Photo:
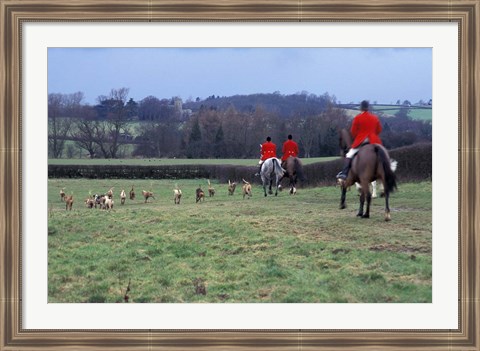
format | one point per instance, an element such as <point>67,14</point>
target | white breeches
<point>351,153</point>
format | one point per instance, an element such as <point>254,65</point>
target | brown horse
<point>372,162</point>
<point>294,171</point>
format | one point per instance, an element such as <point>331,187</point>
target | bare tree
<point>308,128</point>
<point>58,126</point>
<point>116,122</point>
<point>86,131</point>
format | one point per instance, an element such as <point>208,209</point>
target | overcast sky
<point>384,75</point>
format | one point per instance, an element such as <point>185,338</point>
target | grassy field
<point>228,249</point>
<point>416,113</point>
<point>172,161</point>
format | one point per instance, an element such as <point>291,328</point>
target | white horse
<point>271,171</point>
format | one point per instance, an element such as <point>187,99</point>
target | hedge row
<point>220,172</point>
<point>414,163</point>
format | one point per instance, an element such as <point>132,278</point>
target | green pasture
<point>416,113</point>
<point>228,249</point>
<point>171,161</point>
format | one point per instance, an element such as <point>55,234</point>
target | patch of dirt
<point>153,220</point>
<point>200,288</point>
<point>337,251</point>
<point>402,248</point>
<point>264,293</point>
<point>223,297</point>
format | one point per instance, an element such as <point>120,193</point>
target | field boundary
<point>414,164</point>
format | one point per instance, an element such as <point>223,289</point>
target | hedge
<point>414,164</point>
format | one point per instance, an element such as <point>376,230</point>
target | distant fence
<point>414,163</point>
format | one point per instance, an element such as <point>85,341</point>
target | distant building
<point>178,105</point>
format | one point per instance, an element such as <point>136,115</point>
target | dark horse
<point>271,171</point>
<point>294,171</point>
<point>371,162</point>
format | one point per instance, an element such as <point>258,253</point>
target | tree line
<point>117,126</point>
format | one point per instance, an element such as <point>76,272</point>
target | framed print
<point>30,30</point>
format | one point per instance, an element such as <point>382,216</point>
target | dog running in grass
<point>147,194</point>
<point>62,194</point>
<point>100,200</point>
<point>211,190</point>
<point>200,195</point>
<point>132,194</point>
<point>246,189</point>
<point>231,187</point>
<point>123,197</point>
<point>68,202</point>
<point>177,195</point>
<point>110,193</point>
<point>108,203</point>
<point>90,202</point>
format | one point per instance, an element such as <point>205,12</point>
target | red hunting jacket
<point>268,150</point>
<point>290,148</point>
<point>366,125</point>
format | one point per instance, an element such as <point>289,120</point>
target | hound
<point>177,194</point>
<point>123,196</point>
<point>211,190</point>
<point>68,202</point>
<point>90,202</point>
<point>200,195</point>
<point>147,194</point>
<point>100,200</point>
<point>108,203</point>
<point>231,187</point>
<point>246,189</point>
<point>132,194</point>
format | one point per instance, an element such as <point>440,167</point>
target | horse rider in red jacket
<point>365,130</point>
<point>267,150</point>
<point>290,148</point>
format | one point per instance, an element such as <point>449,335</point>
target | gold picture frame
<point>14,13</point>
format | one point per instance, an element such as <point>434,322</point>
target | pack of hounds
<point>106,201</point>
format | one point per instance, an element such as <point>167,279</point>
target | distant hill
<point>285,106</point>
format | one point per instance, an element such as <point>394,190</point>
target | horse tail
<point>390,178</point>
<point>277,167</point>
<point>299,170</point>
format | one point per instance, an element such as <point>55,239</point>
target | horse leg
<point>368,195</point>
<point>374,189</point>
<point>387,207</point>
<point>362,202</point>
<point>343,197</point>
<point>270,187</point>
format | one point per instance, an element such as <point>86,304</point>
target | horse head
<point>345,141</point>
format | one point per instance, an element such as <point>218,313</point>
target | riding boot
<point>259,169</point>
<point>344,173</point>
